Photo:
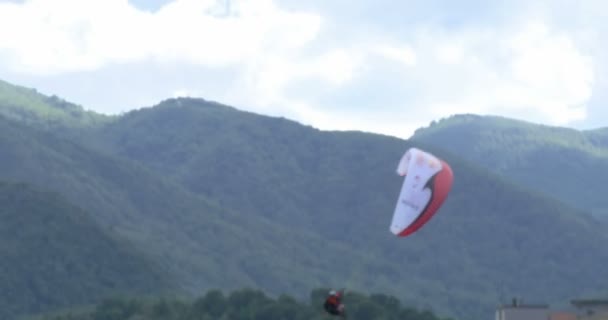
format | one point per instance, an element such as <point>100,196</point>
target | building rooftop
<point>518,304</point>
<point>524,306</point>
<point>589,302</point>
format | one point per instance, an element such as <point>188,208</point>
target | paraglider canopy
<point>427,182</point>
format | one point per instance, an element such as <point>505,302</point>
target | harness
<point>331,305</point>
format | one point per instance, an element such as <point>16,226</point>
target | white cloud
<point>302,65</point>
<point>73,35</point>
<point>527,71</point>
<point>402,54</point>
<point>182,93</point>
<point>273,72</point>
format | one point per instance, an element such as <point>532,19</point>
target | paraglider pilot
<point>333,304</point>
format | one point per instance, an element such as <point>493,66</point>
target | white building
<point>585,309</point>
<point>519,311</point>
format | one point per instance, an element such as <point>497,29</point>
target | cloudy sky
<point>373,65</point>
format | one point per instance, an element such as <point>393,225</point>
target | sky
<point>387,67</point>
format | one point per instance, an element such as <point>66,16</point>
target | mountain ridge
<point>531,155</point>
<point>321,169</point>
<point>286,206</point>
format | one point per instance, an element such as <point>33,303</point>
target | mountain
<point>29,106</point>
<point>568,164</point>
<point>225,198</point>
<point>492,237</point>
<point>54,255</point>
<point>198,242</point>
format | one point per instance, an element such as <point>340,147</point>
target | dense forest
<point>214,197</point>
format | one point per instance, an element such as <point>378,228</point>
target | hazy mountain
<point>200,243</point>
<point>29,106</point>
<point>568,164</point>
<point>227,198</point>
<point>501,238</point>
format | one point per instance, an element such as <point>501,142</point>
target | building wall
<point>562,316</point>
<point>522,313</point>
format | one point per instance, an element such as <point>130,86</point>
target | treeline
<point>246,304</point>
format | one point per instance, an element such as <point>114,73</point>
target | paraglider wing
<point>427,182</point>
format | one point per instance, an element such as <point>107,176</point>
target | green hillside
<point>491,239</point>
<point>28,106</point>
<point>54,255</point>
<point>568,164</point>
<point>202,244</point>
<point>223,198</point>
